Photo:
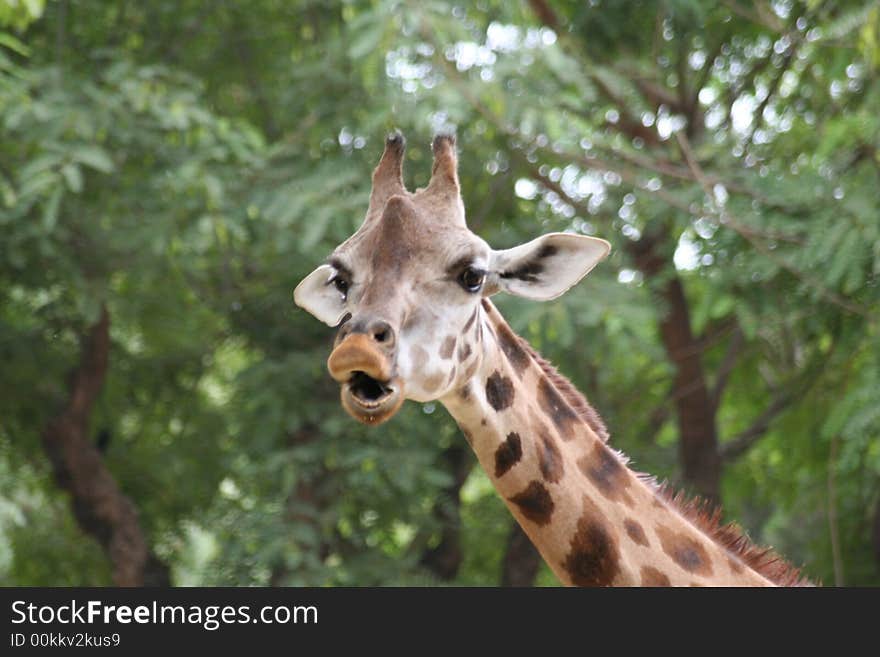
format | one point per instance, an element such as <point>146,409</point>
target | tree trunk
<point>445,558</point>
<point>100,507</point>
<point>521,560</point>
<point>698,439</point>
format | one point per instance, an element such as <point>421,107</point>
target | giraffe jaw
<point>371,401</point>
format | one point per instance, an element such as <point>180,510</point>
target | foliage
<point>187,163</point>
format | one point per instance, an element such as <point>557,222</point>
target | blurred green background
<point>170,169</point>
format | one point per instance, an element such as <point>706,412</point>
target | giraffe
<point>410,291</point>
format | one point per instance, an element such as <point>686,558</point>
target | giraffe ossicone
<point>409,291</point>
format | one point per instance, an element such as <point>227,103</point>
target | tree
<point>170,170</point>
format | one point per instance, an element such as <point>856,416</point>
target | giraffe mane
<point>702,513</point>
<point>706,515</point>
<point>572,395</point>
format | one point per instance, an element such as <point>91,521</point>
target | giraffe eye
<point>471,279</point>
<point>341,284</point>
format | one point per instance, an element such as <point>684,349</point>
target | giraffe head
<point>405,289</point>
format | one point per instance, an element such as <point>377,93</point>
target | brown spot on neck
<point>549,456</point>
<point>593,558</point>
<point>684,550</point>
<point>463,352</point>
<point>499,391</point>
<point>535,503</point>
<point>650,576</point>
<point>563,391</point>
<point>577,402</point>
<point>607,473</point>
<point>508,454</point>
<point>557,409</point>
<point>635,532</point>
<point>513,349</point>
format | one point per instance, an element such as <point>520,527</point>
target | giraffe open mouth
<point>370,392</point>
<point>369,400</point>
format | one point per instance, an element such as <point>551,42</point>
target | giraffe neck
<point>594,521</point>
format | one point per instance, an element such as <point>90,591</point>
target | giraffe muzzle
<point>370,394</point>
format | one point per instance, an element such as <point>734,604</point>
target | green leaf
<point>94,157</point>
<point>7,191</point>
<point>748,320</point>
<point>73,176</point>
<point>50,209</point>
<point>40,164</point>
<point>38,183</point>
<point>14,44</point>
<point>367,41</point>
<point>722,306</point>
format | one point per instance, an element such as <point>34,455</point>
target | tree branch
<point>705,73</point>
<point>100,507</point>
<point>696,123</point>
<point>735,92</point>
<point>743,441</point>
<point>763,16</point>
<point>545,14</point>
<point>774,85</point>
<point>597,163</point>
<point>656,420</point>
<point>681,70</point>
<point>734,348</point>
<point>792,391</point>
<point>626,122</point>
<point>749,235</point>
<point>658,95</point>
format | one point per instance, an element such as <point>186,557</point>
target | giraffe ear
<point>546,267</point>
<point>317,294</point>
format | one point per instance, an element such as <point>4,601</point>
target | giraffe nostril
<point>381,333</point>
